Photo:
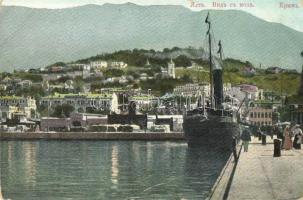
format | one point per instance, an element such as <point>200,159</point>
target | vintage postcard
<point>151,99</point>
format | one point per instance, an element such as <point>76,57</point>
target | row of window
<point>90,102</point>
<point>261,123</point>
<point>5,101</point>
<point>260,115</point>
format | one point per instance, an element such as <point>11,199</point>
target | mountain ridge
<point>36,37</point>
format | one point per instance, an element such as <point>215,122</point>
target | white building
<point>192,90</point>
<point>81,102</point>
<point>117,64</point>
<point>241,91</point>
<point>106,64</point>
<point>177,122</point>
<point>171,69</point>
<point>14,104</point>
<point>99,64</point>
<point>144,101</point>
<point>25,83</point>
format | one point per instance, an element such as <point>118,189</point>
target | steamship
<point>214,123</point>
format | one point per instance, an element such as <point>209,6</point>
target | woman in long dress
<point>287,145</point>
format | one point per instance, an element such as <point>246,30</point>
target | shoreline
<point>148,136</point>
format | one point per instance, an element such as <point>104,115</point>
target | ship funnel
<point>218,82</point>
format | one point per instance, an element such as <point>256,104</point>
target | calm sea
<point>106,170</point>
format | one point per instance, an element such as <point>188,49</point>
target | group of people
<point>291,137</point>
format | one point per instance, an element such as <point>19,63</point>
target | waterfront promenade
<point>261,176</point>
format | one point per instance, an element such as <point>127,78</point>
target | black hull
<point>216,133</point>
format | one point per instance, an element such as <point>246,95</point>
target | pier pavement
<point>261,176</point>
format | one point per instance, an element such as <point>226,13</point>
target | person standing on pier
<point>245,137</point>
<point>298,137</point>
<point>287,145</point>
<point>259,133</point>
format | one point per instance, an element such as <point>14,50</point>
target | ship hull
<point>216,133</point>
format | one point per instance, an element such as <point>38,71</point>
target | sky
<point>287,12</point>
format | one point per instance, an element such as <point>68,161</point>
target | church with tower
<point>169,72</point>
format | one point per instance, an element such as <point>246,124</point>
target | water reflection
<point>29,150</point>
<point>107,170</point>
<point>114,167</point>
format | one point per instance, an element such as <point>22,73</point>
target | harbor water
<point>107,170</point>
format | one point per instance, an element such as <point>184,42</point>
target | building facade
<point>296,113</point>
<point>242,91</point>
<point>192,90</point>
<point>260,116</point>
<point>14,104</point>
<point>144,102</point>
<point>82,102</point>
<point>100,64</point>
<point>76,120</point>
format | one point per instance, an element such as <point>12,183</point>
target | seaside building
<point>192,90</point>
<point>75,121</point>
<point>84,101</point>
<point>174,122</point>
<point>14,104</point>
<point>259,116</point>
<point>144,101</point>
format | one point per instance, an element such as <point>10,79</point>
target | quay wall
<point>221,188</point>
<point>91,136</point>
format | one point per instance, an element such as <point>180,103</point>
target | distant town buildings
<point>25,84</point>
<point>249,71</point>
<point>82,102</point>
<point>101,64</point>
<point>243,91</point>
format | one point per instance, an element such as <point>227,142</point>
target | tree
<point>182,61</point>
<point>63,110</point>
<point>67,109</point>
<point>113,73</point>
<point>166,50</point>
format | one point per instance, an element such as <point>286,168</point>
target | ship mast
<point>207,21</point>
<point>220,50</point>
